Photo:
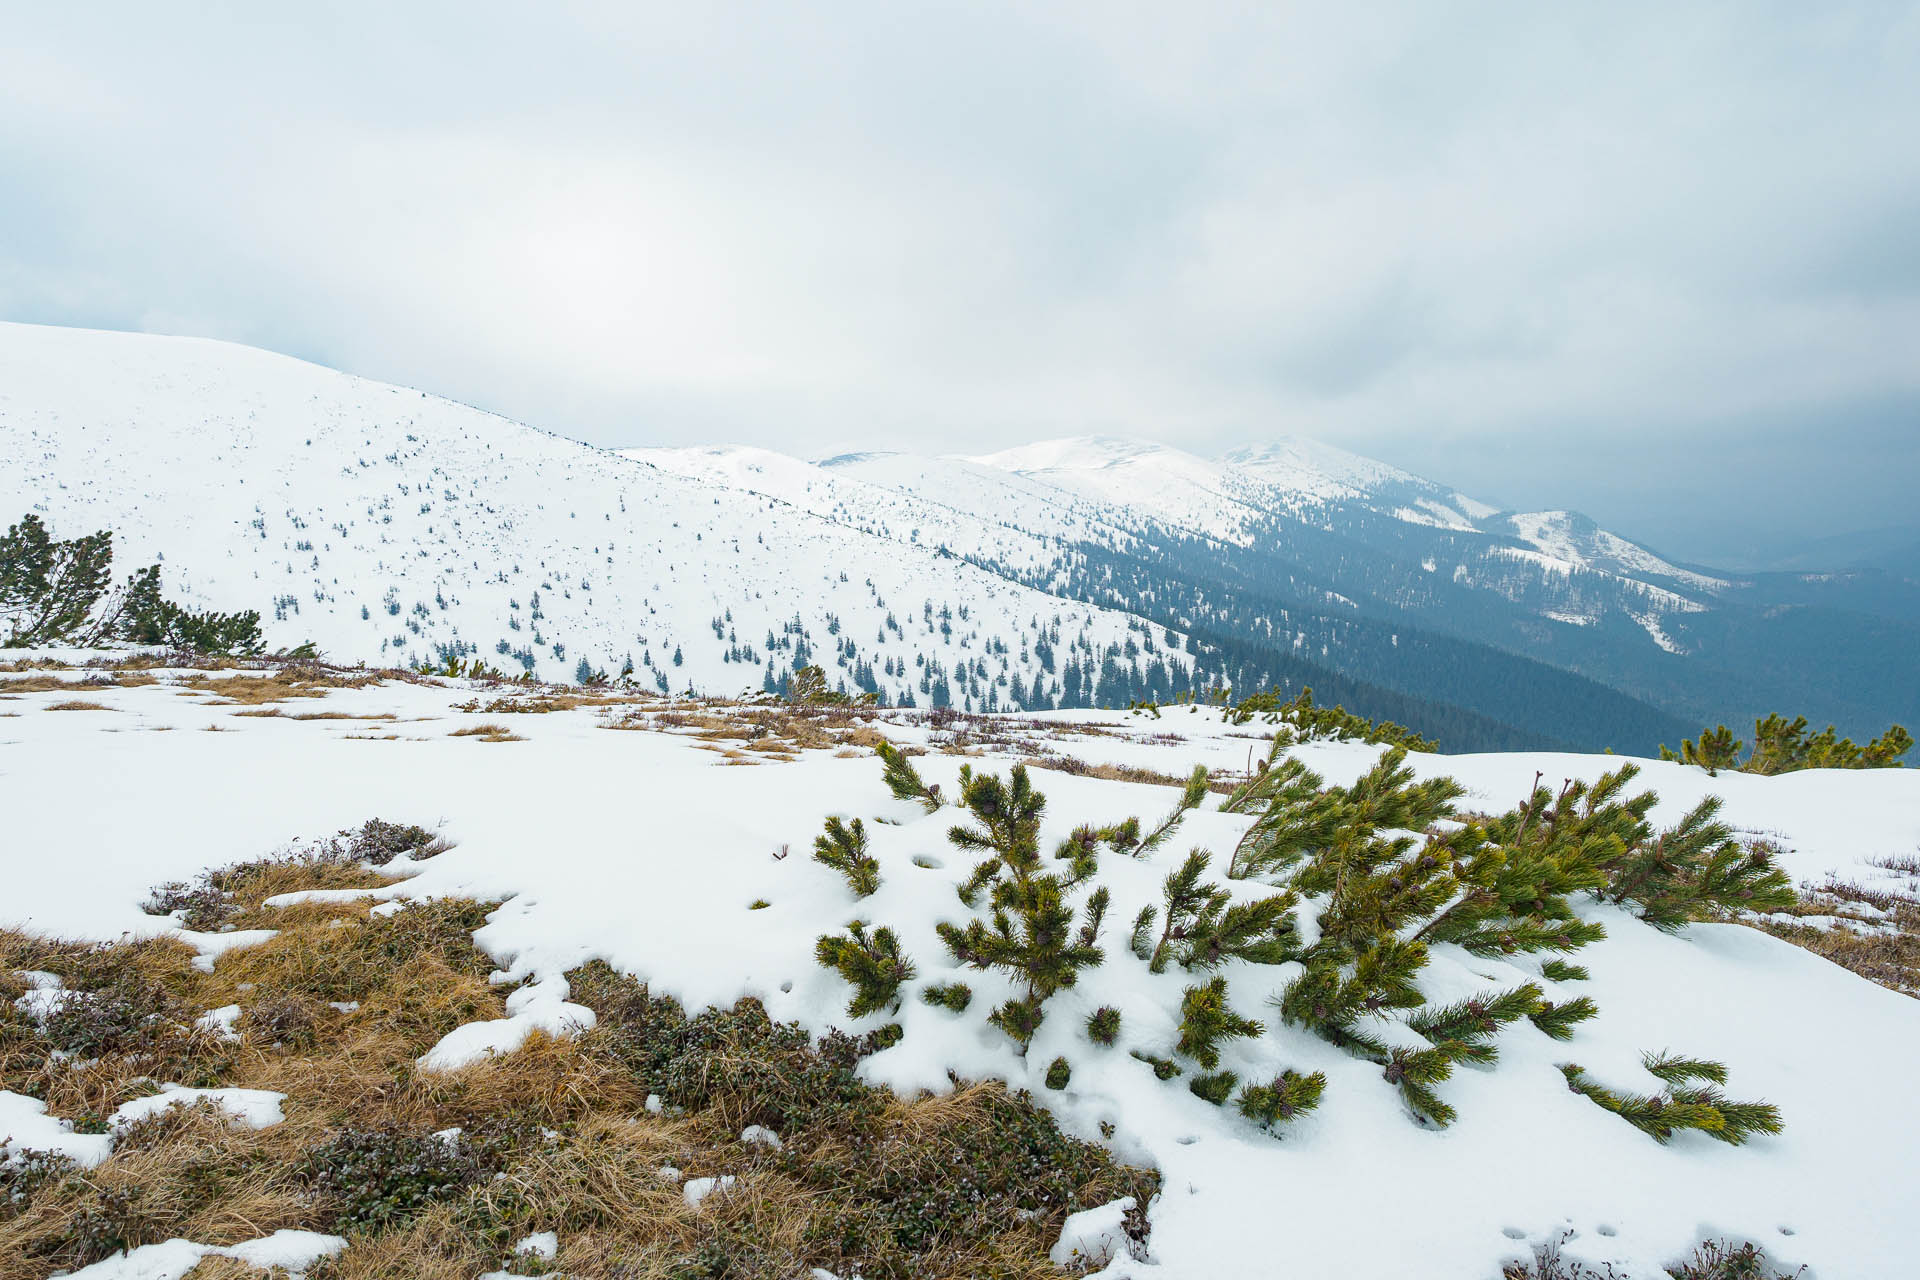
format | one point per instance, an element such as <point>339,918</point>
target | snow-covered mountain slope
<point>1311,469</point>
<point>392,526</point>
<point>1165,486</point>
<point>1356,1189</point>
<point>1571,537</point>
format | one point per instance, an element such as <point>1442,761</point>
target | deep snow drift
<point>645,849</point>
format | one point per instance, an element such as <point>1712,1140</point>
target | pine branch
<point>845,850</point>
<point>904,780</point>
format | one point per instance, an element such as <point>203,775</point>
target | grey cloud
<point>1470,239</point>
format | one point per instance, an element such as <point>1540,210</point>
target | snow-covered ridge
<point>392,526</point>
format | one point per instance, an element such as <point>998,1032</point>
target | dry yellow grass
<point>275,713</point>
<point>280,684</point>
<point>576,1151</point>
<point>487,733</point>
<point>36,684</point>
<point>1881,943</point>
<point>77,704</point>
<point>228,1269</point>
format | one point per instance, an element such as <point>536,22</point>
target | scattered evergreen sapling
<point>873,964</point>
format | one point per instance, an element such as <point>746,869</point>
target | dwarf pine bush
<point>1782,746</point>
<point>1387,871</point>
<point>1028,929</point>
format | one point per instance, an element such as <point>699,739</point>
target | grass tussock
<point>554,1136</point>
<point>548,701</point>
<point>77,704</point>
<point>749,733</point>
<point>277,685</point>
<point>489,732</point>
<point>1114,772</point>
<point>36,684</point>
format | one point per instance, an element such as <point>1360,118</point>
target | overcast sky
<point>1658,262</point>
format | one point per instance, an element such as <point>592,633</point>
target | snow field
<point>642,849</point>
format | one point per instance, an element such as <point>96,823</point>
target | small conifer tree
<point>1206,1019</point>
<point>1028,931</point>
<point>873,964</point>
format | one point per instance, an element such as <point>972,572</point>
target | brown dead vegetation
<point>487,733</point>
<point>556,1135</point>
<point>1874,930</point>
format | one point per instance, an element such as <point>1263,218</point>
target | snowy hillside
<point>1357,1188</point>
<point>393,527</point>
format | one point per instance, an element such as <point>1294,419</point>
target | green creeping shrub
<point>379,842</point>
<point>1103,1025</point>
<point>808,687</point>
<point>908,1201</point>
<point>127,1018</point>
<point>26,1172</point>
<point>844,849</point>
<point>904,780</point>
<point>900,1202</point>
<point>1287,1095</point>
<point>1690,1099</point>
<point>736,1061</point>
<point>1206,1020</point>
<point>1028,931</point>
<point>1215,1087</point>
<point>49,589</point>
<point>210,901</point>
<point>1389,873</point>
<point>873,964</point>
<point>1059,1073</point>
<point>372,1179</point>
<point>1301,721</point>
<point>948,995</point>
<point>1782,746</point>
